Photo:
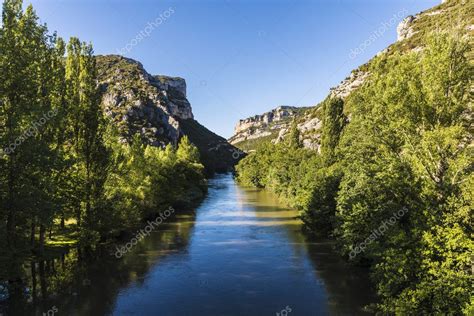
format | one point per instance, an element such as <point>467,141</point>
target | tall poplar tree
<point>333,123</point>
<point>25,65</point>
<point>85,132</point>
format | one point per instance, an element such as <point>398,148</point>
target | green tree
<point>187,151</point>
<point>407,147</point>
<point>85,136</point>
<point>294,135</point>
<point>407,150</point>
<point>333,124</point>
<point>61,158</point>
<point>25,56</point>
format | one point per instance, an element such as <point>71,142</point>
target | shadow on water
<point>348,288</point>
<point>240,253</point>
<point>71,285</point>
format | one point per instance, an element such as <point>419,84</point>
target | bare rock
<point>263,125</point>
<point>355,80</point>
<point>404,28</point>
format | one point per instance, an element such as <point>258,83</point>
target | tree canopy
<point>394,185</point>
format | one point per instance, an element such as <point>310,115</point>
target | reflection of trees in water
<point>30,284</point>
<point>268,208</point>
<point>347,286</point>
<point>79,285</point>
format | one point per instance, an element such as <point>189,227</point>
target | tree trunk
<point>42,238</point>
<point>32,233</point>
<point>33,280</point>
<point>43,284</point>
<point>10,228</point>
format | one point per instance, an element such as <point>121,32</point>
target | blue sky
<point>239,57</point>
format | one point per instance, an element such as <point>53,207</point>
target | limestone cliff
<point>263,125</point>
<point>156,108</point>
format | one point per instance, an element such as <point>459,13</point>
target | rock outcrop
<point>355,80</point>
<point>175,90</point>
<point>274,125</point>
<point>310,132</point>
<point>308,127</point>
<point>405,29</point>
<point>265,125</point>
<point>156,108</point>
<point>278,114</point>
<point>141,103</point>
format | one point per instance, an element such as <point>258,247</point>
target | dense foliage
<point>62,161</point>
<point>393,183</point>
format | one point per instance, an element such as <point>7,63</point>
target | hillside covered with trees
<point>67,175</point>
<point>93,148</point>
<point>393,184</point>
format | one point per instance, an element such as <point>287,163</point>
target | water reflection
<point>77,286</point>
<point>240,253</point>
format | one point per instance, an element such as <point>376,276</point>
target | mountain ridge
<point>156,107</point>
<point>409,34</point>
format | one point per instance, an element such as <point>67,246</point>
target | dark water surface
<point>240,253</point>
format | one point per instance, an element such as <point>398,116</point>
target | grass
<point>61,238</point>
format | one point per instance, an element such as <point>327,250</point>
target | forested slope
<point>69,176</point>
<point>393,182</point>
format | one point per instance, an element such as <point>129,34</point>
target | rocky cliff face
<point>175,90</point>
<point>263,125</point>
<point>141,103</point>
<point>274,125</point>
<point>278,114</point>
<point>156,108</point>
<point>355,80</point>
<point>308,125</point>
<point>404,29</point>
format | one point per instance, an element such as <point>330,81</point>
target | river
<point>240,253</point>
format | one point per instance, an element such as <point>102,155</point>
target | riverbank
<point>240,252</point>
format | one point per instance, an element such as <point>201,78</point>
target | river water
<point>240,253</point>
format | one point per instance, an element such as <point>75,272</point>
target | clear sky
<point>239,57</point>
